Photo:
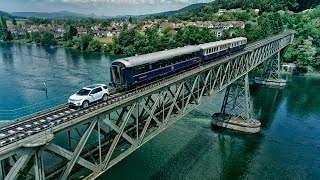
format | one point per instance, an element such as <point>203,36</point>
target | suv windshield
<point>83,92</point>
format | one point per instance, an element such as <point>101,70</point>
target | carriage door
<point>116,74</point>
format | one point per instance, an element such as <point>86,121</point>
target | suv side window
<point>96,90</point>
<point>105,87</point>
<point>93,91</point>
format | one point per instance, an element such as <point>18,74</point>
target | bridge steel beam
<point>111,132</point>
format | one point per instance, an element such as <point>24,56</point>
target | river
<point>287,147</point>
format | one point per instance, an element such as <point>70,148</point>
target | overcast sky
<point>98,7</point>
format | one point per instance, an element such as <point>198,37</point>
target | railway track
<point>47,120</point>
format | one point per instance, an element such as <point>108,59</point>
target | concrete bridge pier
<point>271,73</point>
<point>236,109</point>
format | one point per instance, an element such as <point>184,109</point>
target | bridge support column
<point>38,164</point>
<point>236,109</point>
<point>271,73</point>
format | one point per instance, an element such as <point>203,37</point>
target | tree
<point>105,24</point>
<point>130,19</point>
<point>306,57</point>
<point>36,37</point>
<point>27,36</point>
<point>225,17</point>
<point>47,38</point>
<point>94,46</point>
<point>84,41</point>
<point>14,22</point>
<point>4,29</point>
<point>127,38</point>
<point>129,51</point>
<point>73,31</point>
<point>9,36</point>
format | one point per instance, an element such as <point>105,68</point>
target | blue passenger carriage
<point>212,50</point>
<point>127,72</point>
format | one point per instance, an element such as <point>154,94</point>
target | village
<point>104,33</point>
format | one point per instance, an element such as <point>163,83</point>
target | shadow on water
<point>7,54</point>
<point>73,56</point>
<point>236,150</point>
<point>181,163</point>
<point>264,107</point>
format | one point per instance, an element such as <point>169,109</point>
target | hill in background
<point>71,15</point>
<point>61,14</point>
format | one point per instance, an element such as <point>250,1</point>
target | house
<point>230,24</point>
<point>21,32</point>
<point>58,31</point>
<point>188,24</point>
<point>12,28</point>
<point>289,67</point>
<point>30,28</point>
<point>199,23</point>
<point>103,33</point>
<point>112,28</point>
<point>205,24</point>
<point>218,32</point>
<point>178,26</point>
<point>81,30</point>
<point>96,27</point>
<point>238,24</point>
<point>221,12</point>
<point>146,26</point>
<point>257,10</point>
<point>166,25</point>
<point>132,26</point>
<point>223,25</point>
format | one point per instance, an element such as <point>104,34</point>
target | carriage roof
<point>220,43</point>
<point>156,56</point>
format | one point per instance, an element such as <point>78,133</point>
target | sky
<point>97,7</point>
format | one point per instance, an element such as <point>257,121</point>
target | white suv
<point>88,95</point>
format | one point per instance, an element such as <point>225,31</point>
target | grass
<point>104,40</point>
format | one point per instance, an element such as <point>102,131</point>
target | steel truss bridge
<point>62,143</point>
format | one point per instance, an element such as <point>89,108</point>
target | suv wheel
<point>85,104</point>
<point>104,97</point>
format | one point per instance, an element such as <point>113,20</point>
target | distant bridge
<point>58,143</point>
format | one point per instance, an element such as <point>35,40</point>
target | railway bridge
<point>64,143</point>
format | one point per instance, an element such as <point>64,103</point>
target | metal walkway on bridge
<point>96,138</point>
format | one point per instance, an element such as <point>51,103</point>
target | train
<point>133,71</point>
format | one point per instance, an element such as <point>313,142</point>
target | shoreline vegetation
<point>218,20</point>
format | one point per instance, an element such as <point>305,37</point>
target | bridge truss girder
<point>236,100</point>
<point>271,69</point>
<point>103,138</point>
